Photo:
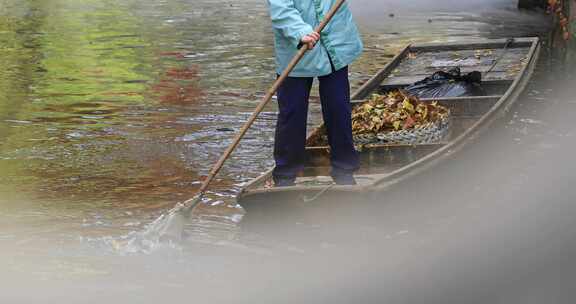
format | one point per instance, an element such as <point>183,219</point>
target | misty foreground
<point>84,149</point>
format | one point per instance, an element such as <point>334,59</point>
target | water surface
<point>112,111</point>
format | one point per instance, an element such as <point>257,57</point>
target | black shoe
<point>284,182</point>
<point>344,179</point>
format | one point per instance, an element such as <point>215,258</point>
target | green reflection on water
<point>71,70</point>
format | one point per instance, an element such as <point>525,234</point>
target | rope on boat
<point>508,43</point>
<point>326,189</point>
<point>318,195</point>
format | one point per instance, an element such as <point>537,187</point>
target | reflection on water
<point>112,111</point>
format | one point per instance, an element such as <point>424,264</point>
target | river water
<point>111,111</point>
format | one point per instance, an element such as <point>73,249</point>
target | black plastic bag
<point>448,84</point>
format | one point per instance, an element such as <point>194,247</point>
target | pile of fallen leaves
<point>393,112</point>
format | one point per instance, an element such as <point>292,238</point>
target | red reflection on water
<point>176,54</point>
<point>179,86</point>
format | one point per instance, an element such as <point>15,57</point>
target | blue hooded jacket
<point>293,19</point>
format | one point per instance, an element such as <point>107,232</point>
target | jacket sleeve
<point>287,19</point>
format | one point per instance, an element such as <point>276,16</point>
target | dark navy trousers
<point>289,147</point>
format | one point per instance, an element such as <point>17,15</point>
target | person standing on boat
<point>331,52</point>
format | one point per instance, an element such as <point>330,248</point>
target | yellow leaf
<point>406,105</point>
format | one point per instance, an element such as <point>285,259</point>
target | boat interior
<point>418,64</point>
<point>501,62</point>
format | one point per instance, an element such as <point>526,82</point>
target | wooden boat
<point>507,66</point>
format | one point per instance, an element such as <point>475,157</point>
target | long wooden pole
<point>266,100</point>
<point>172,226</point>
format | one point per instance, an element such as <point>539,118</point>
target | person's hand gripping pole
<point>310,40</point>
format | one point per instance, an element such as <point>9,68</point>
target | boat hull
<point>395,163</point>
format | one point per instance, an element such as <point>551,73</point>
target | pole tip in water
<point>172,228</point>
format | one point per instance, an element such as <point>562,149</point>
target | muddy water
<point>111,111</point>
